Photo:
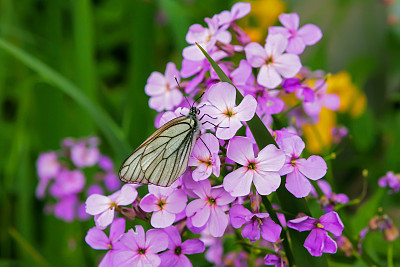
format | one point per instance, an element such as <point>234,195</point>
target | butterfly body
<point>163,157</point>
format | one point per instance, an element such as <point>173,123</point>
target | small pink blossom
<point>262,170</point>
<point>308,34</point>
<point>209,208</point>
<point>103,207</point>
<point>141,249</point>
<point>223,111</point>
<point>163,89</point>
<point>48,166</point>
<point>299,170</point>
<point>83,155</point>
<point>165,203</point>
<point>201,158</point>
<point>67,183</point>
<point>273,62</point>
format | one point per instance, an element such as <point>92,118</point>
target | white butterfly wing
<point>164,156</point>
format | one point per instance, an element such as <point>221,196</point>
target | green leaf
<point>288,202</point>
<point>110,129</point>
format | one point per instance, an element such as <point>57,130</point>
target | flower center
<point>178,251</point>
<point>206,161</point>
<point>293,163</point>
<point>161,203</point>
<point>113,205</point>
<point>318,225</point>
<point>211,201</point>
<point>252,166</point>
<point>269,60</point>
<point>110,245</point>
<point>142,251</point>
<point>229,113</point>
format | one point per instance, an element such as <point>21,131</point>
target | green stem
<point>390,254</point>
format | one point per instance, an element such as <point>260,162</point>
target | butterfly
<point>164,156</point>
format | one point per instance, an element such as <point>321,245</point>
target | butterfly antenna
<point>180,88</point>
<point>206,146</point>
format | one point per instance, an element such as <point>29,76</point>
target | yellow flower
<point>264,13</point>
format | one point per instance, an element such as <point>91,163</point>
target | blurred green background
<point>77,68</point>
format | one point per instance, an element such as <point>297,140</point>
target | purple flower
<point>273,62</point>
<point>262,170</point>
<point>308,34</point>
<point>221,106</point>
<point>48,166</point>
<point>66,208</point>
<point>205,37</point>
<point>322,99</point>
<point>302,90</point>
<point>163,89</point>
<point>175,256</point>
<point>83,155</point>
<point>209,208</point>
<point>318,241</point>
<point>141,249</point>
<point>255,224</point>
<point>67,183</point>
<point>97,239</point>
<point>298,170</point>
<point>111,181</point>
<point>390,180</point>
<point>103,207</point>
<point>330,200</point>
<point>106,163</point>
<point>201,158</point>
<point>165,203</point>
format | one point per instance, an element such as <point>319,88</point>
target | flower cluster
<point>63,179</point>
<point>228,171</point>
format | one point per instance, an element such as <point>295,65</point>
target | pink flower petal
<point>270,231</point>
<point>156,241</point>
<point>305,223</point>
<point>228,128</point>
<point>313,168</point>
<point>170,73</point>
<point>275,44</point>
<point>238,182</point>
<point>162,219</point>
<point>293,146</point>
<point>237,215</point>
<point>330,101</point>
<point>96,204</point>
<point>194,206</point>
<point>269,77</point>
<point>127,196</point>
<point>240,150</point>
<point>267,182</point>
<point>288,65</point>
<point>156,84</point>
<point>176,202</point>
<point>139,236</point>
<point>117,229</point>
<point>310,34</point>
<point>218,222</point>
<point>298,184</point>
<point>296,45</point>
<point>192,246</point>
<point>315,241</point>
<point>97,239</point>
<point>168,259</point>
<point>255,54</point>
<point>242,73</point>
<point>201,216</point>
<point>332,223</point>
<point>290,21</point>
<point>239,10</point>
<point>222,95</point>
<point>330,245</point>
<point>287,167</point>
<point>270,158</point>
<point>104,219</point>
<point>196,32</point>
<point>221,196</point>
<point>149,203</point>
<point>246,109</point>
<point>125,258</point>
<point>279,30</point>
<point>193,53</point>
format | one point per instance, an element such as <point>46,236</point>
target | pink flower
<point>97,239</point>
<point>201,158</point>
<point>298,170</point>
<point>209,208</point>
<point>309,34</point>
<point>256,225</point>
<point>223,112</point>
<point>67,183</point>
<point>48,166</point>
<point>83,155</point>
<point>263,170</point>
<point>318,241</point>
<point>66,208</point>
<point>141,249</point>
<point>205,37</point>
<point>175,256</point>
<point>273,62</point>
<point>165,203</point>
<point>163,89</point>
<point>103,207</point>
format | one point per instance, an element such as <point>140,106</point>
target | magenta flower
<point>298,171</point>
<point>318,241</point>
<point>163,89</point>
<point>255,224</point>
<point>205,37</point>
<point>330,199</point>
<point>106,163</point>
<point>84,154</point>
<point>238,11</point>
<point>390,180</point>
<point>175,256</point>
<point>48,166</point>
<point>302,90</point>
<point>209,208</point>
<point>262,170</point>
<point>67,183</point>
<point>221,106</point>
<point>201,158</point>
<point>141,249</point>
<point>97,239</point>
<point>273,62</point>
<point>66,208</point>
<point>103,207</point>
<point>308,34</point>
<point>165,203</point>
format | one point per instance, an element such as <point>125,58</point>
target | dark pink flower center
<point>178,251</point>
<point>211,201</point>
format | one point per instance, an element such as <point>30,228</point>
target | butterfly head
<point>194,111</point>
